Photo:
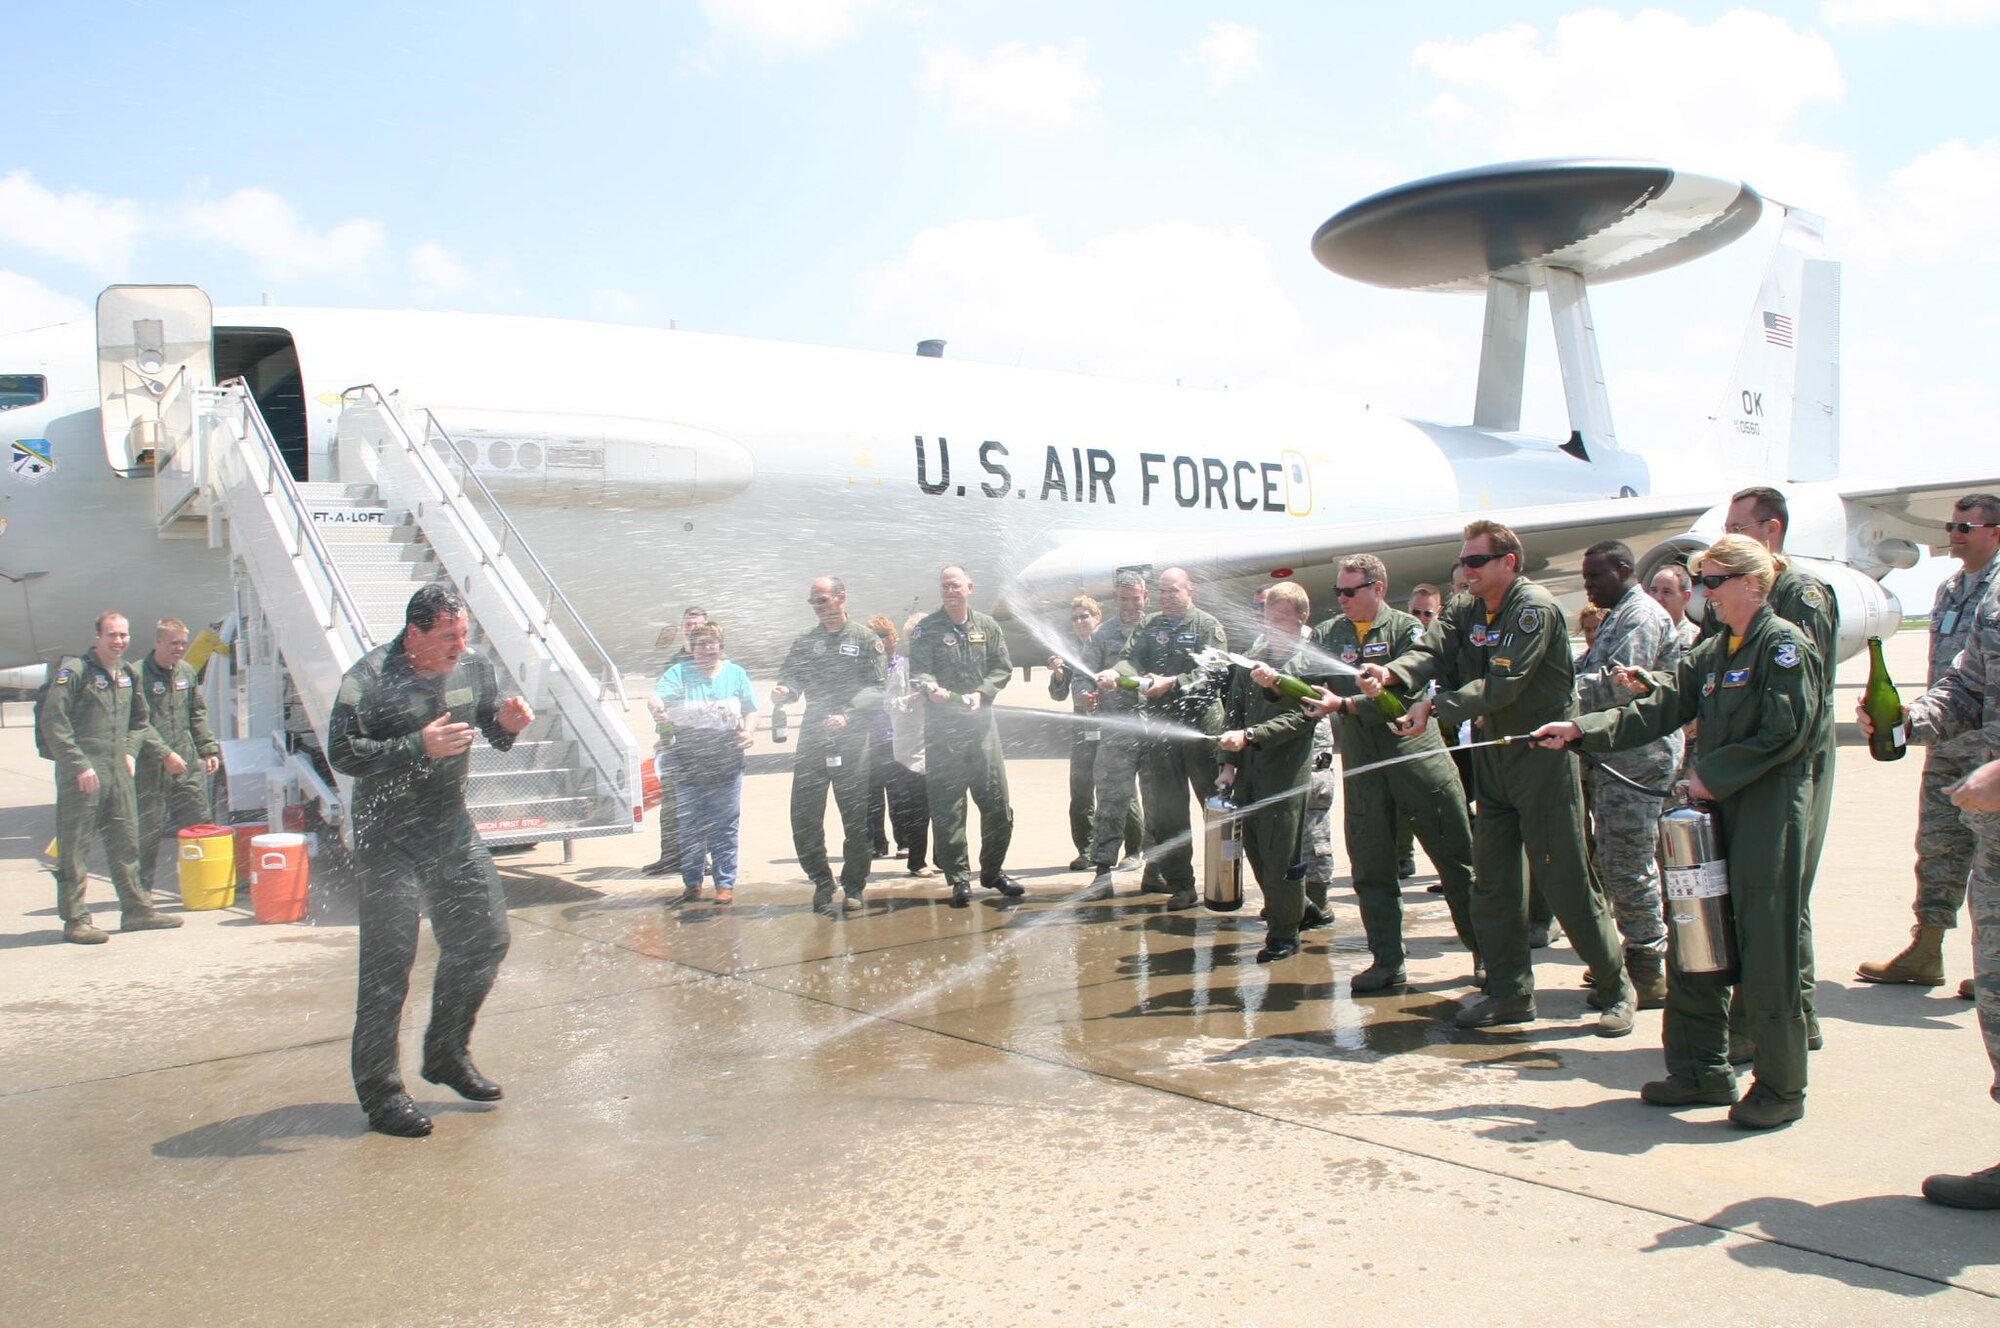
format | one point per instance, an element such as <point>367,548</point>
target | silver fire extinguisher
<point>1222,855</point>
<point>1701,927</point>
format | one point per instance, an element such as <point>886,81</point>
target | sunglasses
<point>817,600</point>
<point>1715,580</point>
<point>1967,527</point>
<point>1477,559</point>
<point>1349,592</point>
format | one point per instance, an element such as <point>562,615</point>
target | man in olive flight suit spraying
<point>839,668</point>
<point>91,724</point>
<point>179,752</point>
<point>1185,699</point>
<point>1424,794</point>
<point>959,663</point>
<point>1501,653</point>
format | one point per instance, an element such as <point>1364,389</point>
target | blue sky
<point>1118,188</point>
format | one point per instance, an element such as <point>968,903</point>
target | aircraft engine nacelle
<point>1867,607</point>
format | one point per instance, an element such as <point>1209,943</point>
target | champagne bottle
<point>1390,704</point>
<point>1884,707</point>
<point>781,728</point>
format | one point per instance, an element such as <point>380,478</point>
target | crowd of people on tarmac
<point>1459,716</point>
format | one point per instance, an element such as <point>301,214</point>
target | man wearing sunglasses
<point>1945,844</point>
<point>839,668</point>
<point>1500,654</point>
<point>1423,793</point>
<point>1964,702</point>
<point>1807,602</point>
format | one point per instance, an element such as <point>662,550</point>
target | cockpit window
<point>22,390</point>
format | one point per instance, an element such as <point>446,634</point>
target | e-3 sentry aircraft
<point>658,468</point>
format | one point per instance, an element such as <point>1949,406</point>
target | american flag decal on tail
<point>1778,329</point>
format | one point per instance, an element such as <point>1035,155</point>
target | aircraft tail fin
<point>1780,417</point>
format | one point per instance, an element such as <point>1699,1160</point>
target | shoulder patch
<point>1812,596</point>
<point>63,675</point>
<point>916,632</point>
<point>1417,633</point>
<point>1786,656</point>
<point>1530,619</point>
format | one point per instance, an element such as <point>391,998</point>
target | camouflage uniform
<point>1966,701</point>
<point>1319,814</point>
<point>1639,633</point>
<point>1945,844</point>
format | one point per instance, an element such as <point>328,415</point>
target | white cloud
<point>264,226</point>
<point>26,303</point>
<point>1722,96</point>
<point>1230,52</point>
<point>1164,301</point>
<point>1928,13</point>
<point>1944,207</point>
<point>1014,87</point>
<point>88,229</point>
<point>433,267</point>
<point>792,26</point>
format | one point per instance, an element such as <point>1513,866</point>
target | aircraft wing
<point>1919,505</point>
<point>1416,548</point>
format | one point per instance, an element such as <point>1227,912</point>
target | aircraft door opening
<point>267,360</point>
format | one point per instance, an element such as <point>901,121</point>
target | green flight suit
<point>1758,706</point>
<point>1276,764</point>
<point>1513,672</point>
<point>841,673</point>
<point>1173,765</point>
<point>961,745</point>
<point>92,719</point>
<point>1806,602</point>
<point>1423,795</point>
<point>179,725</point>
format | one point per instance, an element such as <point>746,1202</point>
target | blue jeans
<point>709,814</point>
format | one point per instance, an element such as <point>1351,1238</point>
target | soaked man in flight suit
<point>92,723</point>
<point>402,727</point>
<point>1183,694</point>
<point>179,752</point>
<point>1422,795</point>
<point>1501,653</point>
<point>840,669</point>
<point>958,660</point>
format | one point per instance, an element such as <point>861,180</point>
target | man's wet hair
<point>430,603</point>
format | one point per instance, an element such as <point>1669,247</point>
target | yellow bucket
<point>208,867</point>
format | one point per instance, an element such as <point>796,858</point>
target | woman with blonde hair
<point>1755,688</point>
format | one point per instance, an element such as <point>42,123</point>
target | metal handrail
<point>276,473</point>
<point>510,533</point>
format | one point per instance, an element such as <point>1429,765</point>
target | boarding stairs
<point>324,570</point>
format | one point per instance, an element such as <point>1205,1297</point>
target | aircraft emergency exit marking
<point>1089,475</point>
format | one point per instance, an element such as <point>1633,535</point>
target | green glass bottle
<point>1390,704</point>
<point>1885,709</point>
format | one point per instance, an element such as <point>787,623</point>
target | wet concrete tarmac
<point>1043,1112</point>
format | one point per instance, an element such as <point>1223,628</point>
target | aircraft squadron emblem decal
<point>1531,619</point>
<point>1787,655</point>
<point>30,459</point>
